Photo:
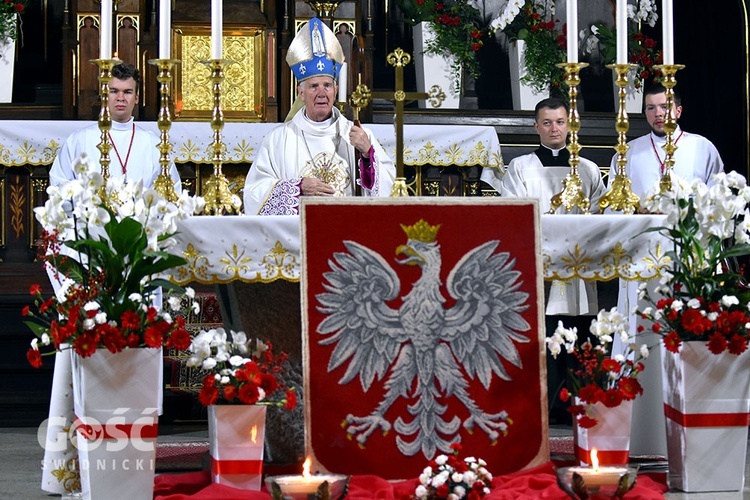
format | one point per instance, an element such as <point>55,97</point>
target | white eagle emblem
<point>425,349</point>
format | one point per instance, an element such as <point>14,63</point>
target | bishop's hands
<point>311,186</point>
<point>359,139</point>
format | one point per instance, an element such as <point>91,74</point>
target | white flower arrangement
<point>451,477</point>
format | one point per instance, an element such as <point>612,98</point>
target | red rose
<point>649,43</point>
<point>34,357</point>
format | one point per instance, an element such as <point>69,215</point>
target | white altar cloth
<point>34,142</point>
<point>261,249</point>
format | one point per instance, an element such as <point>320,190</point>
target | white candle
<point>343,83</point>
<point>603,476</point>
<point>622,32</point>
<point>572,19</point>
<point>667,33</point>
<point>165,29</point>
<point>216,28</point>
<point>105,30</point>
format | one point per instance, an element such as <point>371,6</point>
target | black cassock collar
<point>549,160</point>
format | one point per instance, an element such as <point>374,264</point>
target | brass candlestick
<point>669,81</point>
<point>572,194</point>
<point>105,119</point>
<point>164,184</point>
<point>620,196</point>
<point>219,199</point>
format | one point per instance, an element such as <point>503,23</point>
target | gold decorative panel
<point>242,91</point>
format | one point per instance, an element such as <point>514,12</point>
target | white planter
<point>707,409</point>
<point>633,97</point>
<point>7,62</point>
<point>236,434</point>
<point>117,398</point>
<point>432,69</point>
<point>610,436</point>
<point>524,97</point>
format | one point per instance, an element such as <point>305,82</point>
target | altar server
<point>540,175</point>
<point>133,152</point>
<point>695,158</point>
<point>313,154</point>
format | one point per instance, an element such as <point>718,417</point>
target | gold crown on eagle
<point>421,231</point>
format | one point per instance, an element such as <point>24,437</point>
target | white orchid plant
<point>107,245</point>
<point>704,296</point>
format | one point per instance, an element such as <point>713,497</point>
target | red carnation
<point>248,393</point>
<point>34,358</point>
<point>230,392</point>
<point>209,393</point>
<point>737,344</point>
<point>179,339</point>
<point>586,422</point>
<point>612,398</point>
<point>564,395</point>
<point>291,399</point>
<point>35,289</point>
<point>672,342</point>
<point>717,343</point>
<point>630,388</point>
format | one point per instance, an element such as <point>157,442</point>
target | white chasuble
<point>301,148</point>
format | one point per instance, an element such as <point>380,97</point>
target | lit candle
<point>343,83</point>
<point>667,31</point>
<point>307,484</point>
<point>595,476</point>
<point>572,18</point>
<point>165,28</point>
<point>105,30</point>
<point>622,32</point>
<point>216,28</point>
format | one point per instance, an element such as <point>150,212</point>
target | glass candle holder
<point>603,482</point>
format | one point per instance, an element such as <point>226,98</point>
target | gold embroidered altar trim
<point>33,142</point>
<point>262,249</point>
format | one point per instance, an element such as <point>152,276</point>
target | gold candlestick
<point>105,119</point>
<point>669,81</point>
<point>572,194</point>
<point>219,199</point>
<point>620,196</point>
<point>164,184</point>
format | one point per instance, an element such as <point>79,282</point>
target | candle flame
<point>594,459</point>
<point>254,434</point>
<point>114,56</point>
<point>306,469</point>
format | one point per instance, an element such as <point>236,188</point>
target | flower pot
<point>236,434</point>
<point>610,436</point>
<point>7,62</point>
<point>524,97</point>
<point>432,69</point>
<point>707,414</point>
<point>117,398</point>
<point>633,96</point>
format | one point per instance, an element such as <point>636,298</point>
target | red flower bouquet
<point>599,377</point>
<point>239,370</point>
